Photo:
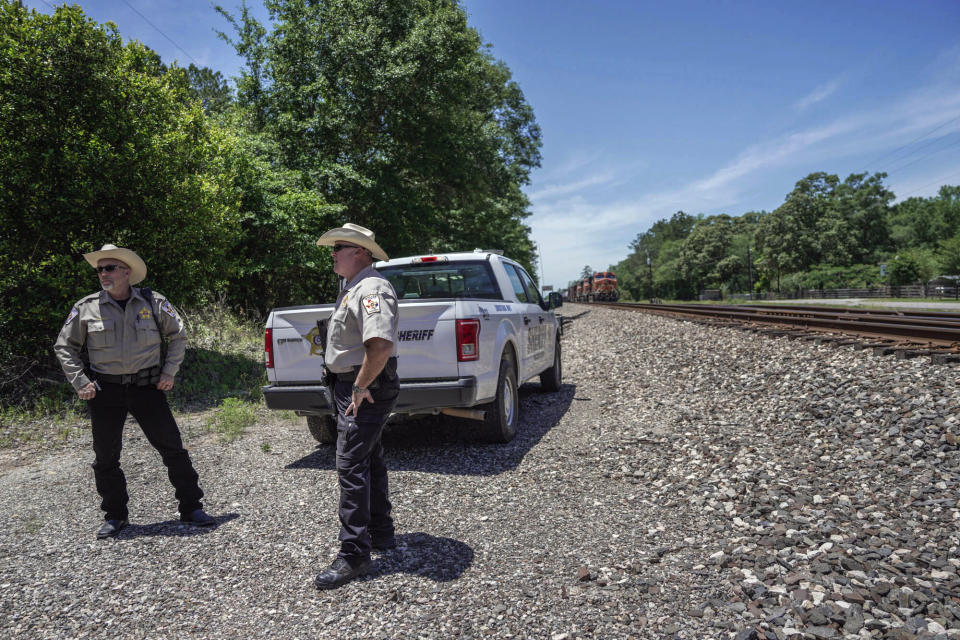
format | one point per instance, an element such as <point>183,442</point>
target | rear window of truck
<point>443,280</point>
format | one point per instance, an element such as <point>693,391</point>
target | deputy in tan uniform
<point>122,327</point>
<point>361,359</point>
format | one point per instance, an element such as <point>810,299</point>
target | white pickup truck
<point>472,328</point>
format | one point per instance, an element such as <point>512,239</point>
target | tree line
<point>827,233</point>
<point>388,113</point>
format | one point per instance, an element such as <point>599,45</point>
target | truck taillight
<point>268,348</point>
<point>468,340</point>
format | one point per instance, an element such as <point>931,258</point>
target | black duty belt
<point>142,378</point>
<point>389,371</point>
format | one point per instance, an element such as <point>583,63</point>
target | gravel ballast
<point>687,481</point>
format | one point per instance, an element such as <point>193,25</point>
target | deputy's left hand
<point>166,382</point>
<point>358,399</point>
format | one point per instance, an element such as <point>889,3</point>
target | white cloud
<point>819,94</point>
<point>554,190</point>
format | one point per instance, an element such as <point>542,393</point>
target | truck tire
<point>323,428</point>
<point>552,378</point>
<point>503,414</point>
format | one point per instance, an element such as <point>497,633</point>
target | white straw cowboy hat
<point>138,269</point>
<point>355,234</point>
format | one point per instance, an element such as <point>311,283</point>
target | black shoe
<point>341,572</point>
<point>111,528</point>
<point>384,544</point>
<point>198,518</point>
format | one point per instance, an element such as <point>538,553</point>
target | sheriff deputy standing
<point>123,328</point>
<point>361,358</point>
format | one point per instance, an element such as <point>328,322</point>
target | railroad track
<point>904,333</point>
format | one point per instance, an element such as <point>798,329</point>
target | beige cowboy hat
<point>355,234</point>
<point>138,269</point>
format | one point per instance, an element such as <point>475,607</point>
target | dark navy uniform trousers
<point>108,412</point>
<point>364,495</point>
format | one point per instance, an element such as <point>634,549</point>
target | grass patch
<point>224,359</point>
<point>232,419</point>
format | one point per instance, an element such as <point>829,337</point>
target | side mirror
<point>556,299</point>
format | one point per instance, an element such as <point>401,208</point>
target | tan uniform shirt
<point>366,308</point>
<point>119,341</point>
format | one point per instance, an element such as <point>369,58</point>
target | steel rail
<point>923,331</point>
<point>948,321</point>
<point>827,308</point>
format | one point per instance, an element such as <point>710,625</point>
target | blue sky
<point>648,108</point>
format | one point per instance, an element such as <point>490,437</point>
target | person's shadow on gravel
<point>172,528</point>
<point>421,554</point>
<point>449,446</point>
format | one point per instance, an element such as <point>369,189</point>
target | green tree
<point>637,271</point>
<point>277,261</point>
<point>948,255</point>
<point>210,88</point>
<point>924,222</point>
<point>854,228</point>
<point>704,259</point>
<point>99,144</point>
<point>396,111</point>
<point>773,239</point>
<point>911,265</point>
<point>804,212</point>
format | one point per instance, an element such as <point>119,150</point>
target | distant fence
<point>951,292</point>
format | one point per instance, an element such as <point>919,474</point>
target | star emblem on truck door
<point>316,343</point>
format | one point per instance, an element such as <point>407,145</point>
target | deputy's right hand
<point>87,392</point>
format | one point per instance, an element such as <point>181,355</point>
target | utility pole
<point>539,265</point>
<point>750,271</point>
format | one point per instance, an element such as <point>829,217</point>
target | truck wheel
<point>323,428</point>
<point>552,378</point>
<point>502,415</point>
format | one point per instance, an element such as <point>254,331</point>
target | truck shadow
<point>438,444</point>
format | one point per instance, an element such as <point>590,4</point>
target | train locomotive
<point>600,287</point>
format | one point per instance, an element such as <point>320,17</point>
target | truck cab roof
<point>460,256</point>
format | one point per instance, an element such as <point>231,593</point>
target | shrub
<point>232,419</point>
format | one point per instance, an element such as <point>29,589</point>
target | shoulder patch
<point>73,314</point>
<point>371,303</point>
<point>167,308</point>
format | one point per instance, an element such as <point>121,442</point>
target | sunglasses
<point>338,247</point>
<point>110,268</point>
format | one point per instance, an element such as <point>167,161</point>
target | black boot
<point>341,572</point>
<point>111,528</point>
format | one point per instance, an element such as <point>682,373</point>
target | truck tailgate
<point>428,340</point>
<point>296,344</point>
<point>426,334</point>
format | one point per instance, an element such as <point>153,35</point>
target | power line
<point>134,9</point>
<point>917,150</point>
<point>898,150</point>
<point>924,157</point>
<point>942,181</point>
